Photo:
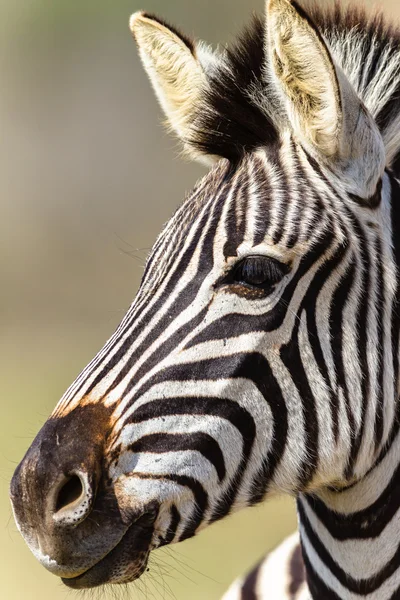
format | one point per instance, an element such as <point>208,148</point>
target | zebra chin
<point>126,562</point>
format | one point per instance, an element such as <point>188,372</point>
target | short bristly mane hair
<point>236,116</point>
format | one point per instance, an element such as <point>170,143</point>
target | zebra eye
<point>259,272</point>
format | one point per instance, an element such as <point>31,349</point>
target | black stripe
<point>264,192</point>
<point>379,306</point>
<point>235,222</point>
<point>159,443</point>
<point>248,591</point>
<point>199,493</point>
<point>297,216</point>
<point>297,572</point>
<point>282,200</point>
<point>291,358</point>
<point>318,589</point>
<point>210,406</point>
<point>357,586</point>
<point>337,327</point>
<point>173,526</point>
<point>364,524</point>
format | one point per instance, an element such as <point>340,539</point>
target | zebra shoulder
<point>279,576</point>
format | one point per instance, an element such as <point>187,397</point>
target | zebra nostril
<point>72,498</point>
<point>69,493</point>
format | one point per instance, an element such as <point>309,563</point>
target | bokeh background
<point>87,178</point>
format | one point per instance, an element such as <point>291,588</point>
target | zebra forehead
<point>269,198</point>
<point>260,178</point>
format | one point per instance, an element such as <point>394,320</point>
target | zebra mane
<point>241,111</point>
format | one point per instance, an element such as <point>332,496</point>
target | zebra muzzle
<point>126,561</point>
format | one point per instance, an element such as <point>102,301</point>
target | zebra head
<point>257,355</point>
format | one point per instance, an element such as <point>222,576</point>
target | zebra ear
<point>172,64</point>
<point>323,109</point>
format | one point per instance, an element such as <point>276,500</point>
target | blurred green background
<point>87,178</point>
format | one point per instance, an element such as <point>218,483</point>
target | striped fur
<point>215,393</point>
<point>281,575</point>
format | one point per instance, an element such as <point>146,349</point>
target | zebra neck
<point>351,538</point>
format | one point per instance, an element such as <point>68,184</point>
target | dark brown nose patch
<point>57,481</point>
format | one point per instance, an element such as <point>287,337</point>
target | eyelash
<point>257,272</point>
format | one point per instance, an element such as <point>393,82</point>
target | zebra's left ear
<point>176,67</point>
<point>323,109</point>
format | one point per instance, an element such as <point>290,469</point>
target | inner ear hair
<point>171,63</point>
<point>155,19</point>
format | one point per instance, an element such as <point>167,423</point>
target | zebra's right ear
<point>322,107</point>
<point>172,63</point>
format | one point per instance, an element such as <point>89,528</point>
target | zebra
<point>261,353</point>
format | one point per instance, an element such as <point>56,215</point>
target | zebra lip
<point>125,562</point>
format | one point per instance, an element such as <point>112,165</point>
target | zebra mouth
<point>125,562</point>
